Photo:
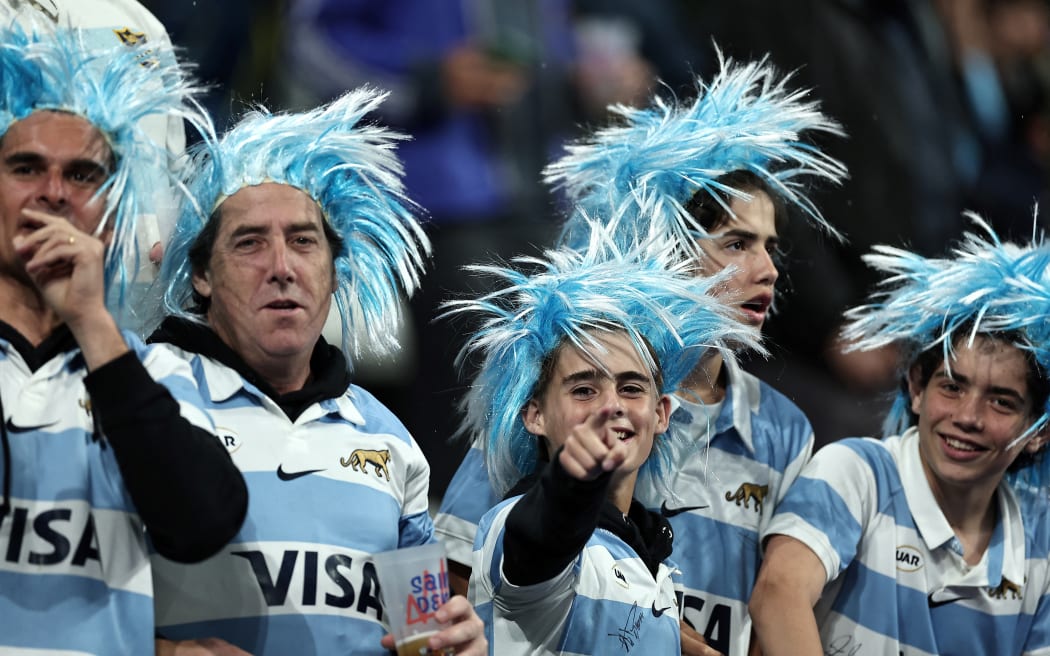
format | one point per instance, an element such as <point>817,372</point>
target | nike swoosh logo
<point>671,512</point>
<point>291,476</point>
<point>659,612</point>
<point>934,603</point>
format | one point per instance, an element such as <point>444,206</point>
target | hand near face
<point>65,264</point>
<point>592,447</point>
<point>465,635</point>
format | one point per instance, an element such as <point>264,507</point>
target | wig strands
<point>986,286</point>
<point>646,167</point>
<point>56,70</point>
<point>575,297</point>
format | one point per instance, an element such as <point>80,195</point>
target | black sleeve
<point>549,526</point>
<point>190,495</point>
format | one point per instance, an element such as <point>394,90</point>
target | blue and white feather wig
<point>350,169</point>
<point>985,286</point>
<point>574,296</point>
<point>114,89</point>
<point>647,165</point>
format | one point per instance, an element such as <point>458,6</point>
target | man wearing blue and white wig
<point>102,436</point>
<point>710,181</point>
<point>299,206</point>
<point>571,405</point>
<point>934,540</point>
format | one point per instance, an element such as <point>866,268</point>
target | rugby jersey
<point>327,489</point>
<point>609,598</point>
<point>896,578</point>
<point>719,496</point>
<point>74,562</point>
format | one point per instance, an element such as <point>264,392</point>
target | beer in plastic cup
<point>413,584</point>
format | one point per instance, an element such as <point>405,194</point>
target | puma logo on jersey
<point>1004,588</point>
<point>620,578</point>
<point>360,459</point>
<point>85,404</point>
<point>129,38</point>
<point>749,492</point>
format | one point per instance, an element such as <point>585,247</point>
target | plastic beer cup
<point>413,584</point>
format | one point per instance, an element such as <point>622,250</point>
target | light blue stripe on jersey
<point>290,634</point>
<point>51,612</point>
<point>816,500</point>
<point>469,494</point>
<point>65,460</point>
<point>415,530</point>
<point>708,573</point>
<point>329,515</point>
<point>603,626</point>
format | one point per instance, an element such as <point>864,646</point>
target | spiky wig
<point>645,167</point>
<point>575,297</point>
<point>349,168</point>
<point>114,89</point>
<point>985,286</point>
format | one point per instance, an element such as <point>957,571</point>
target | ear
<point>1037,441</point>
<point>663,413</point>
<point>915,388</point>
<point>201,284</point>
<point>532,417</point>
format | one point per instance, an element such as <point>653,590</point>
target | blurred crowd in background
<point>945,103</point>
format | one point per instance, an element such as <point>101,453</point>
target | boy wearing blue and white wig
<point>293,209</point>
<point>934,540</point>
<point>572,404</point>
<point>102,436</point>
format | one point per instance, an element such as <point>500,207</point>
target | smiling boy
<point>930,541</point>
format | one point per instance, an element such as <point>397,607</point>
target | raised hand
<point>593,446</point>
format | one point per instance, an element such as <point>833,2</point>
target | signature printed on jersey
<point>843,646</point>
<point>632,629</point>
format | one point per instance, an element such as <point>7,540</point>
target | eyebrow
<point>1001,391</point>
<point>37,159</point>
<point>594,374</point>
<point>740,233</point>
<point>257,229</point>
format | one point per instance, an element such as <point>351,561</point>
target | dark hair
<point>1036,380</point>
<point>200,251</point>
<point>704,206</point>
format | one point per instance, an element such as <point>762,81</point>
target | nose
<point>54,192</point>
<point>766,270</point>
<point>968,413</point>
<point>615,406</point>
<point>281,270</point>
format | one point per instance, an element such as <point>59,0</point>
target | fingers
<point>466,633</point>
<point>693,644</point>
<point>592,448</point>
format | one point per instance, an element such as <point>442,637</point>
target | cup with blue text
<point>413,584</point>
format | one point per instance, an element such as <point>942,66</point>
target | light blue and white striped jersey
<point>605,602</point>
<point>341,482</point>
<point>897,581</point>
<point>74,564</point>
<point>718,500</point>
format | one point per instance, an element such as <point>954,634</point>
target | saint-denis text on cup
<point>413,584</point>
